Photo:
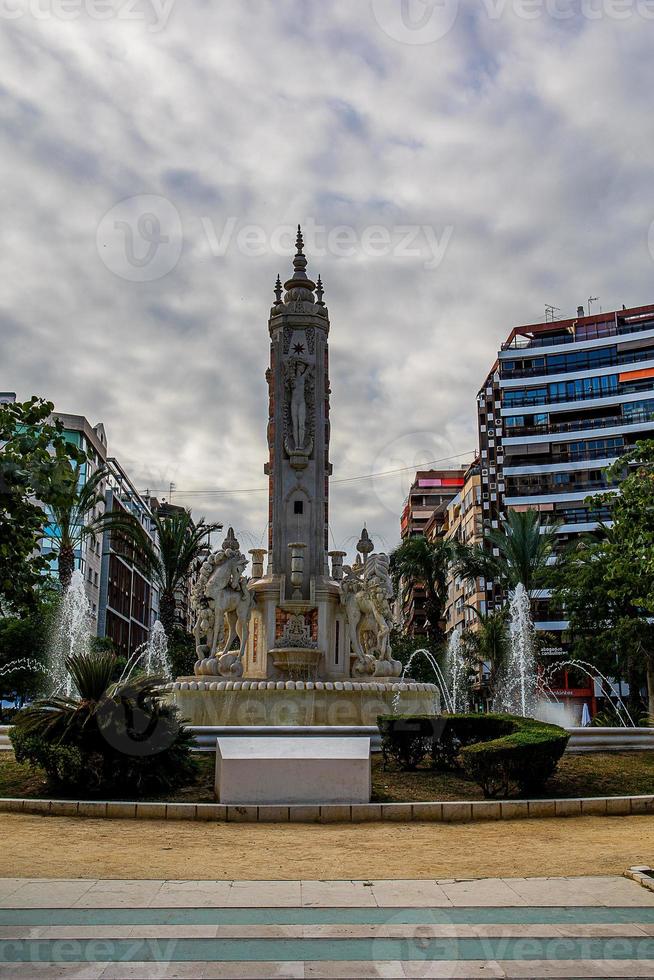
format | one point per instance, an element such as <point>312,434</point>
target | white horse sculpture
<point>365,594</point>
<point>223,589</point>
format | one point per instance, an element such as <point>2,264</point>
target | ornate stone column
<point>297,567</point>
<point>337,564</point>
<point>258,554</point>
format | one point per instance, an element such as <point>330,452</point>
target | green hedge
<point>497,751</point>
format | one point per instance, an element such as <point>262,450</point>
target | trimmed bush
<point>497,751</point>
<point>525,757</point>
<point>407,739</point>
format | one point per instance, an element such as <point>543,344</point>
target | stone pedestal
<point>260,771</point>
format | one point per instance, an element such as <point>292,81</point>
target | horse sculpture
<point>223,598</point>
<point>365,593</point>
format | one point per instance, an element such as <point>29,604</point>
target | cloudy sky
<point>455,167</point>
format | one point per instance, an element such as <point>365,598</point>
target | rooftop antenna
<point>591,300</point>
<point>172,486</point>
<point>552,313</point>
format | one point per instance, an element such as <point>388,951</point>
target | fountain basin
<point>296,660</point>
<point>294,702</point>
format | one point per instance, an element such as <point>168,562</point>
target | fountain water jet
<point>457,674</point>
<point>72,634</point>
<point>516,691</point>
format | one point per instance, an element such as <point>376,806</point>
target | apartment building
<point>129,600</point>
<point>425,507</point>
<point>463,524</point>
<point>562,402</point>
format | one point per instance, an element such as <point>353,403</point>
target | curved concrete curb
<point>450,812</point>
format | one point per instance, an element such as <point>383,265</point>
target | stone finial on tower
<point>320,292</point>
<point>231,541</point>
<point>278,291</point>
<point>299,287</point>
<point>365,545</point>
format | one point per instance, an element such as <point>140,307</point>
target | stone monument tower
<point>298,467</point>
<point>297,641</point>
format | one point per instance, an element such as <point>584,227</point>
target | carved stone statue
<point>366,592</point>
<point>221,598</point>
<point>299,411</point>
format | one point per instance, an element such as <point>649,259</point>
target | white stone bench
<point>290,770</point>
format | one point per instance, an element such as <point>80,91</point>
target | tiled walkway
<point>512,927</point>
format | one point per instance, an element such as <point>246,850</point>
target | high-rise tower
<point>298,467</point>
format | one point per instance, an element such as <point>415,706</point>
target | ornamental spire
<point>299,286</point>
<point>278,291</point>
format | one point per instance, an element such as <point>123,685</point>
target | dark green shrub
<point>116,739</point>
<point>497,751</point>
<point>501,751</point>
<point>407,739</point>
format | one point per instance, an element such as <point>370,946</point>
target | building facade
<point>425,514</point>
<point>129,601</point>
<point>562,402</point>
<point>463,524</point>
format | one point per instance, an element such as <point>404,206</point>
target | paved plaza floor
<point>494,927</point>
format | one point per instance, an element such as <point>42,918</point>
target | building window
<point>298,507</point>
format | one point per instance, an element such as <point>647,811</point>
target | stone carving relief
<point>299,407</point>
<point>222,604</point>
<point>366,592</point>
<point>297,633</point>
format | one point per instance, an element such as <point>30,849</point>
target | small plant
<point>115,738</point>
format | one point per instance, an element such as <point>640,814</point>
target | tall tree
<point>524,546</point>
<point>607,587</point>
<point>488,643</point>
<point>417,563</point>
<point>35,460</point>
<point>75,515</point>
<point>180,542</point>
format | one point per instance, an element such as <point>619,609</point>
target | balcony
<point>517,487</point>
<point>584,363</point>
<point>604,453</point>
<point>539,397</point>
<point>590,332</point>
<point>582,425</point>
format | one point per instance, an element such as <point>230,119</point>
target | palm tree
<point>109,736</point>
<point>524,546</point>
<point>488,643</point>
<point>416,563</point>
<point>180,542</point>
<point>74,516</point>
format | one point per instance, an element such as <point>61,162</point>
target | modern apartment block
<point>426,507</point>
<point>463,524</point>
<point>129,602</point>
<point>92,440</point>
<point>562,402</point>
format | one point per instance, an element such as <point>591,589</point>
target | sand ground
<point>70,847</point>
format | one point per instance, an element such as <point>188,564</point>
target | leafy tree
<point>417,563</point>
<point>607,587</point>
<point>35,460</point>
<point>181,541</point>
<point>524,547</point>
<point>75,516</point>
<point>181,653</point>
<point>27,639</point>
<point>403,646</point>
